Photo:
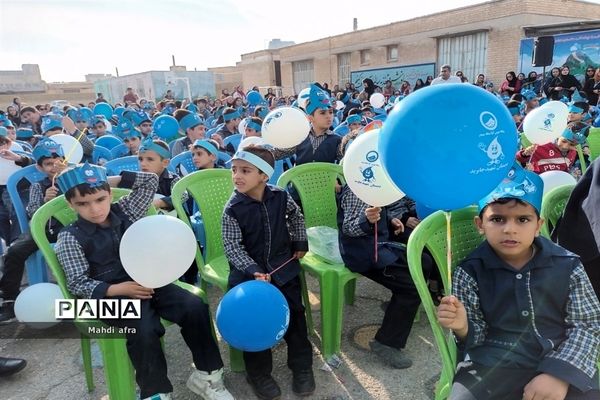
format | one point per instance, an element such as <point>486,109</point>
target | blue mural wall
<point>398,74</point>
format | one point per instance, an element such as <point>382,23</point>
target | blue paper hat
<point>51,121</point>
<point>149,105</point>
<point>317,99</point>
<point>125,130</point>
<point>24,133</point>
<point>168,109</point>
<point>82,114</point>
<point>577,97</point>
<point>192,107</point>
<point>190,121</point>
<point>519,184</point>
<point>207,145</point>
<point>3,131</point>
<point>8,123</point>
<point>577,137</point>
<point>98,118</point>
<point>47,148</point>
<point>574,109</point>
<point>149,145</point>
<point>263,112</point>
<point>3,118</point>
<point>528,94</point>
<point>543,101</point>
<point>93,175</point>
<point>353,119</point>
<point>140,116</point>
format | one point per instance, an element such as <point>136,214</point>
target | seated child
<point>88,252</point>
<point>131,137</point>
<point>98,126</point>
<point>255,245</point>
<point>26,135</point>
<point>205,154</point>
<point>354,121</point>
<point>253,129</point>
<point>49,157</point>
<point>523,308</point>
<point>193,127</point>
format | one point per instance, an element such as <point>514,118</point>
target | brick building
<point>483,38</point>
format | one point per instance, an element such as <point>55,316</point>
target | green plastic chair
<point>119,373</point>
<point>524,141</point>
<point>553,205</point>
<point>593,141</point>
<point>315,184</point>
<point>431,233</point>
<point>210,189</point>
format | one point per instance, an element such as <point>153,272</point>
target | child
<point>49,157</point>
<point>130,135</point>
<point>253,129</point>
<point>263,229</point>
<point>354,122</point>
<point>205,154</point>
<point>559,155</point>
<point>357,222</point>
<point>514,107</point>
<point>194,129</point>
<point>88,252</point>
<point>98,126</point>
<point>232,118</point>
<point>26,135</point>
<point>322,144</point>
<point>577,111</point>
<point>525,311</point>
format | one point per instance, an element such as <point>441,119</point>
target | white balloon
<point>251,140</point>
<point>156,250</point>
<point>302,101</point>
<point>377,100</point>
<point>71,147</point>
<point>546,123</point>
<point>554,179</point>
<point>339,105</point>
<point>285,127</point>
<point>35,305</point>
<point>364,172</point>
<point>242,126</point>
<point>7,168</point>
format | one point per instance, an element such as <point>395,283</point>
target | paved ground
<point>55,372</point>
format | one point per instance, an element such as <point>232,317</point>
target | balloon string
<point>281,266</point>
<point>376,252</point>
<point>449,251</point>
<point>66,160</point>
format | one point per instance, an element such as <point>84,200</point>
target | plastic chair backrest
<point>101,153</point>
<point>315,184</point>
<point>553,205</point>
<point>129,163</point>
<point>32,174</point>
<point>593,141</point>
<point>431,233</point>
<point>280,167</point>
<point>182,163</point>
<point>119,151</point>
<point>234,140</point>
<point>224,159</point>
<point>108,141</point>
<point>210,189</point>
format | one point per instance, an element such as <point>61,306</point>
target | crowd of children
<point>522,308</point>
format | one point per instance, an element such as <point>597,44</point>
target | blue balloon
<point>253,316</point>
<point>448,145</point>
<point>165,127</point>
<point>119,111</point>
<point>103,109</point>
<point>423,211</point>
<point>596,123</point>
<point>254,98</point>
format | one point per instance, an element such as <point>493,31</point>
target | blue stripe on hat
<point>205,144</point>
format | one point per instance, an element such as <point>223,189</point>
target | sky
<point>72,38</point>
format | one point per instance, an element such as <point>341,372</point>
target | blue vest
<point>101,246</point>
<point>265,234</point>
<point>326,152</point>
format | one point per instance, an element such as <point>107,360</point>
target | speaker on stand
<point>543,52</point>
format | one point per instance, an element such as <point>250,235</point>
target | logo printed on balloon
<point>548,122</point>
<point>285,325</point>
<point>488,120</point>
<point>372,156</point>
<point>273,117</point>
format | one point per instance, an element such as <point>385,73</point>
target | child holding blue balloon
<point>523,307</point>
<point>88,251</point>
<point>264,236</point>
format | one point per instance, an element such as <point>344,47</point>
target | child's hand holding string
<point>451,314</point>
<point>373,214</point>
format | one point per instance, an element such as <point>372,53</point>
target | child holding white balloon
<point>264,236</point>
<point>50,158</point>
<point>88,251</point>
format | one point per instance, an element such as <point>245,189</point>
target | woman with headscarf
<point>418,84</point>
<point>511,85</point>
<point>532,83</point>
<point>368,87</point>
<point>554,73</point>
<point>564,85</point>
<point>592,87</point>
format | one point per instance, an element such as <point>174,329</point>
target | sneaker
<point>390,355</point>
<point>303,383</point>
<point>209,386</point>
<point>159,396</point>
<point>7,312</point>
<point>264,387</point>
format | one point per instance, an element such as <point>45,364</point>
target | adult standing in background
<point>446,76</point>
<point>130,96</point>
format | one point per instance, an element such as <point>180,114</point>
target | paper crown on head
<point>192,107</point>
<point>519,184</point>
<point>90,174</point>
<point>3,118</point>
<point>125,130</point>
<point>8,123</point>
<point>168,109</point>
<point>149,145</point>
<point>253,125</point>
<point>255,160</point>
<point>576,136</point>
<point>528,95</point>
<point>138,116</point>
<point>354,119</point>
<point>96,119</point>
<point>47,148</point>
<point>263,112</point>
<point>231,115</point>
<point>83,114</point>
<point>3,131</point>
<point>190,121</point>
<point>24,133</point>
<point>576,97</point>
<point>317,99</point>
<point>206,145</point>
<point>51,121</point>
<point>574,109</point>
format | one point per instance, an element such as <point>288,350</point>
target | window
<point>365,56</point>
<point>343,60</point>
<point>464,53</point>
<point>392,53</point>
<point>303,72</point>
